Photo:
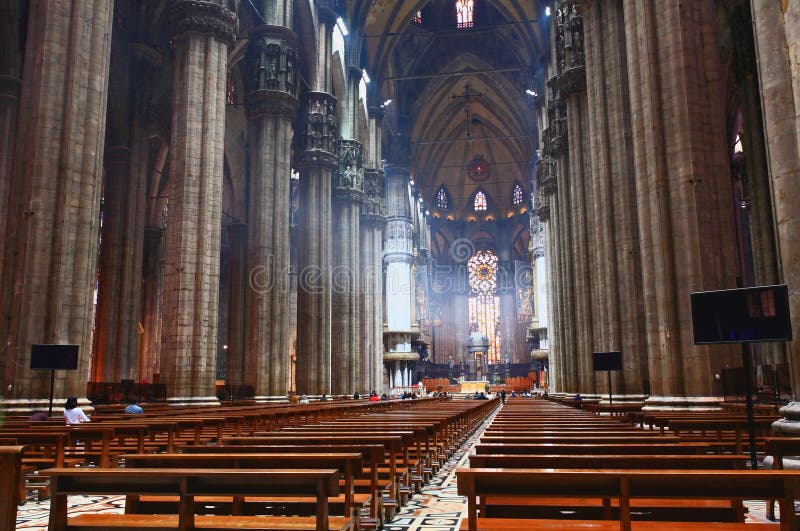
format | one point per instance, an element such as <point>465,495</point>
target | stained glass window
<point>517,196</point>
<point>417,18</point>
<point>442,200</point>
<point>479,203</point>
<point>464,13</point>
<point>484,304</point>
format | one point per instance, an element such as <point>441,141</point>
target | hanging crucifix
<point>468,97</point>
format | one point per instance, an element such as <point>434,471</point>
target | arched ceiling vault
<point>424,68</point>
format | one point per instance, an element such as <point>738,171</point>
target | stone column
<point>373,222</point>
<point>10,84</point>
<point>202,31</point>
<point>124,205</point>
<point>314,245</point>
<point>398,256</point>
<point>682,184</point>
<point>237,238</point>
<point>271,104</point>
<point>345,326</point>
<point>50,249</point>
<point>153,288</point>
<point>776,30</point>
<point>620,283</point>
<point>583,226</point>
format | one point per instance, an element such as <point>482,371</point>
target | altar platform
<point>474,386</point>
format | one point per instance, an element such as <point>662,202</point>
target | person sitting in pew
<point>72,413</point>
<point>134,408</point>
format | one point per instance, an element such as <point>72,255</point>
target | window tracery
<point>442,199</point>
<point>484,304</point>
<point>464,14</point>
<point>517,195</point>
<point>480,203</point>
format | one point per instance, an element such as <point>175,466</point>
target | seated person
<point>38,416</point>
<point>304,400</point>
<point>324,398</point>
<point>72,413</point>
<point>293,399</point>
<point>134,408</point>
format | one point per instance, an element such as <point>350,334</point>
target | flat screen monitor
<point>741,315</point>
<point>59,357</point>
<point>607,361</point>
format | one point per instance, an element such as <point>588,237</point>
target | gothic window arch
<point>464,14</point>
<point>480,201</point>
<point>517,195</point>
<point>442,199</point>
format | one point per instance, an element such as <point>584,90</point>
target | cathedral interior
<point>219,199</point>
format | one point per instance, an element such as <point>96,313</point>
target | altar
<point>474,386</point>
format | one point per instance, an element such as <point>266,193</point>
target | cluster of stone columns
<point>51,183</point>
<point>637,200</point>
<point>158,310</point>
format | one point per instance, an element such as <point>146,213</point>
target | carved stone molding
<point>546,176</point>
<point>202,16</point>
<point>348,180</point>
<point>542,206</point>
<point>271,79</point>
<point>373,209</point>
<point>570,53</point>
<point>319,129</point>
<point>398,258</point>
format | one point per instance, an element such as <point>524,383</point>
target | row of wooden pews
<point>350,471</point>
<point>546,465</point>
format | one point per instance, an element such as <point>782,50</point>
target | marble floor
<point>438,508</point>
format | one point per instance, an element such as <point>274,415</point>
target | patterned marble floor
<point>438,508</point>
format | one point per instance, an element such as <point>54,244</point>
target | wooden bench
<point>480,484</point>
<point>595,449</point>
<point>712,510</point>
<point>187,484</point>
<point>348,464</point>
<point>10,479</point>
<point>372,456</point>
<point>778,448</point>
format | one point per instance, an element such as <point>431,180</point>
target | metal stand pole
<point>609,388</point>
<point>52,384</point>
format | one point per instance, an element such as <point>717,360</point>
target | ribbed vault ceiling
<point>424,68</point>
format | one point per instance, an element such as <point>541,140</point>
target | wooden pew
<point>189,483</point>
<point>394,443</point>
<point>778,448</point>
<point>605,449</point>
<point>712,510</point>
<point>348,464</point>
<point>10,479</point>
<point>372,457</point>
<point>625,485</point>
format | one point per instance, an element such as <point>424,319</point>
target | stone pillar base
<point>683,403</point>
<point>264,399</point>
<point>622,399</point>
<point>790,425</point>
<point>26,406</point>
<point>193,401</point>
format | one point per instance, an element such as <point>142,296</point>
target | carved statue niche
<point>273,66</point>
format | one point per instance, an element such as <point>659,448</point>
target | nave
<point>438,507</point>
